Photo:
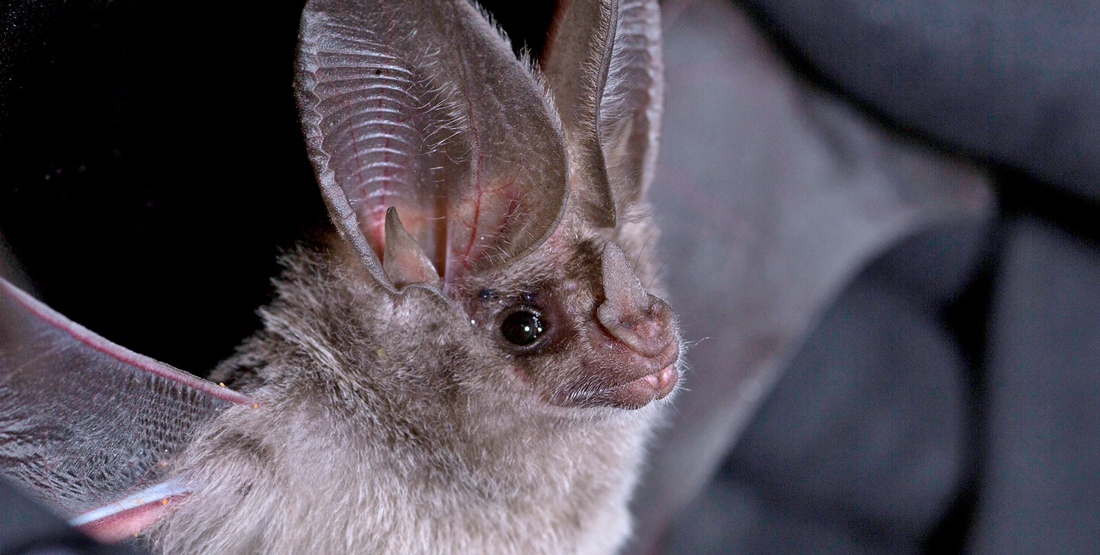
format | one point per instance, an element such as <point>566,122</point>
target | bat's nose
<point>629,313</point>
<point>648,330</point>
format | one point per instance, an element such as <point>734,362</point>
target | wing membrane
<point>84,422</point>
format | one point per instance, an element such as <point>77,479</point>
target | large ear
<point>632,103</point>
<point>575,61</point>
<point>87,426</point>
<point>603,61</point>
<point>421,105</point>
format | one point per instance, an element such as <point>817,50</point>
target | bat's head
<point>495,209</point>
<point>573,325</point>
<point>477,346</point>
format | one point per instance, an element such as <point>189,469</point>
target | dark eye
<point>522,327</point>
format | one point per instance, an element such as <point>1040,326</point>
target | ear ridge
<point>421,105</point>
<point>338,52</point>
<point>576,63</point>
<point>631,105</point>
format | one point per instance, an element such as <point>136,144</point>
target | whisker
<point>641,253</point>
<point>658,272</point>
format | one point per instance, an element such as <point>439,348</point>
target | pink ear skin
<point>633,344</point>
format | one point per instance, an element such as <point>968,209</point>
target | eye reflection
<point>522,327</point>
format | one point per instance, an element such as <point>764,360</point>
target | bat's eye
<point>522,327</point>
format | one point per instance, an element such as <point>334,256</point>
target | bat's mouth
<point>647,389</point>
<point>651,387</point>
<point>611,387</point>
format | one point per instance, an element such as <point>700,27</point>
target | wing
<point>88,426</point>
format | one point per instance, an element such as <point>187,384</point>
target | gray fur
<point>395,417</point>
<point>388,424</point>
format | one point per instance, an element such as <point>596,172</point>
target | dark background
<point>152,166</point>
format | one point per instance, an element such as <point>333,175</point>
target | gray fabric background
<point>947,400</point>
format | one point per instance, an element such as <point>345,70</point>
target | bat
<point>471,360</point>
